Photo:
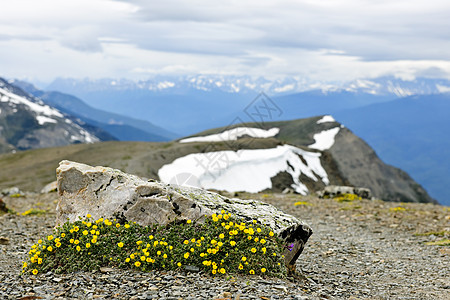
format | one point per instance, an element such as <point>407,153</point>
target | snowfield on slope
<point>40,109</point>
<point>233,134</point>
<point>326,119</point>
<point>247,170</point>
<point>325,139</point>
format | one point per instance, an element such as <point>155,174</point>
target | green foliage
<point>220,245</point>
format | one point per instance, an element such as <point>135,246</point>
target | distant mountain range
<point>189,104</point>
<point>412,135</point>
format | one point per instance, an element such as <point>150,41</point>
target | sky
<point>322,40</point>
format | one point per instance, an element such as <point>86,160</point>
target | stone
<point>332,191</point>
<point>49,188</point>
<point>4,240</point>
<point>11,191</point>
<point>109,193</point>
<point>3,207</point>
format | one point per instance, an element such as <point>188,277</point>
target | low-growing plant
<point>302,203</point>
<point>346,197</point>
<point>221,244</point>
<point>398,208</point>
<point>34,211</point>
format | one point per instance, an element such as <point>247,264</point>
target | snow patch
<point>234,134</point>
<point>42,120</point>
<point>324,140</point>
<point>247,170</point>
<point>165,85</point>
<point>38,108</point>
<point>287,87</point>
<point>443,88</point>
<point>326,119</point>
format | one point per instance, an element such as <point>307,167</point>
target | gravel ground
<point>359,250</point>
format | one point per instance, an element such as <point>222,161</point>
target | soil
<point>363,249</point>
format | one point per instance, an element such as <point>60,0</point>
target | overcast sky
<point>324,40</point>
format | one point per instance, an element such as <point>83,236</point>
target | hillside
<point>349,157</point>
<point>300,155</point>
<point>411,133</point>
<point>122,127</point>
<point>27,122</point>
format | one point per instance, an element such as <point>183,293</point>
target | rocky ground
<point>359,250</point>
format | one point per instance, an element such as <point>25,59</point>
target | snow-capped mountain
<point>304,155</point>
<point>246,84</point>
<point>27,122</point>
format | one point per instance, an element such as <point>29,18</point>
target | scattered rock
<point>106,269</point>
<point>3,207</point>
<point>49,188</point>
<point>332,191</point>
<point>4,240</point>
<point>110,193</point>
<point>11,191</point>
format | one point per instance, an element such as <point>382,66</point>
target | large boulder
<point>109,193</point>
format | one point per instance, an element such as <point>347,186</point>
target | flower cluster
<point>220,244</point>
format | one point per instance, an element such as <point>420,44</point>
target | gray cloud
<point>254,36</point>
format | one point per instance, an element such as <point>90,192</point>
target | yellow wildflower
<point>49,248</point>
<point>137,264</point>
<point>35,272</point>
<point>85,232</point>
<point>186,255</point>
<point>50,237</point>
<point>78,248</point>
<point>120,245</point>
<point>251,272</point>
<point>88,216</point>
<point>117,225</point>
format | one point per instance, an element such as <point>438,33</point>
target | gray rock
<point>336,190</point>
<point>110,193</point>
<point>11,191</point>
<point>51,187</point>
